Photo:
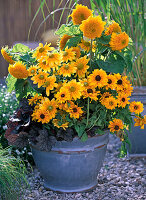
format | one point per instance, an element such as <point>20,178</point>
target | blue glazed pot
<point>72,166</point>
<point>138,136</point>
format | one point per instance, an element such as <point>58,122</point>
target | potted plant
<point>70,98</point>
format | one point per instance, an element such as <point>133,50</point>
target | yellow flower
<point>77,51</point>
<point>35,99</point>
<point>42,50</point>
<point>50,106</point>
<point>128,90</point>
<point>18,70</point>
<point>62,95</point>
<point>56,123</point>
<point>6,56</point>
<point>53,59</point>
<point>121,82</point>
<point>98,78</point>
<point>75,111</point>
<point>140,121</point>
<point>86,45</point>
<point>111,83</point>
<point>41,115</point>
<point>116,125</point>
<point>67,69</point>
<point>92,27</point>
<point>80,13</point>
<point>32,70</point>
<point>113,28</point>
<point>74,88</point>
<point>64,40</point>
<point>81,66</point>
<point>122,100</point>
<point>68,55</point>
<point>91,93</point>
<point>136,107</point>
<point>49,84</point>
<point>44,65</point>
<point>104,96</point>
<point>40,78</point>
<point>110,103</point>
<point>119,41</point>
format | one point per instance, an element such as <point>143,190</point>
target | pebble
<point>119,179</point>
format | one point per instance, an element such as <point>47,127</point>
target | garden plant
<point>77,90</point>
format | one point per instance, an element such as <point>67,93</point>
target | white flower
<point>3,114</point>
<point>17,151</point>
<point>5,127</point>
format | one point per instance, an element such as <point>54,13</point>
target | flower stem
<point>88,112</point>
<point>88,97</point>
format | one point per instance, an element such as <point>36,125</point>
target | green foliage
<point>11,80</point>
<point>73,42</point>
<point>23,88</point>
<point>20,48</point>
<point>12,176</point>
<point>130,15</point>
<point>69,30</point>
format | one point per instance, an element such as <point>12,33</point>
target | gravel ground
<point>119,179</point>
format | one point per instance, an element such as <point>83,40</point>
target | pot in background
<point>138,136</point>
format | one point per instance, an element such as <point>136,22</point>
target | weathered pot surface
<point>138,135</point>
<point>72,166</point>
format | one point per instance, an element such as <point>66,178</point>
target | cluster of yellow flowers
<point>66,77</point>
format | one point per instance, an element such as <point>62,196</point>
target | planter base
<point>71,190</point>
<point>72,166</point>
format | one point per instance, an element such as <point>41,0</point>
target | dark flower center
<point>85,84</point>
<point>72,89</point>
<point>111,103</point>
<point>65,53</point>
<point>80,66</point>
<point>51,55</point>
<point>32,71</point>
<point>119,82</point>
<point>50,107</point>
<point>47,83</point>
<point>41,49</point>
<point>66,67</point>
<point>41,77</point>
<point>42,116</point>
<point>74,110</point>
<point>116,127</point>
<point>123,41</point>
<point>109,81</point>
<point>123,99</point>
<point>82,16</point>
<point>135,107</point>
<point>44,62</point>
<point>63,95</point>
<point>89,90</point>
<point>98,78</point>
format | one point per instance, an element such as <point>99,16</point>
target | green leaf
<point>104,39</point>
<point>72,42</point>
<point>84,137</point>
<point>20,48</point>
<point>80,129</point>
<point>11,83</point>
<point>25,58</point>
<point>69,30</point>
<point>22,88</point>
<point>115,64</point>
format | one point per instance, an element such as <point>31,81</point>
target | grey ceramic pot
<point>138,136</point>
<point>72,166</point>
